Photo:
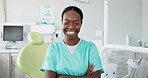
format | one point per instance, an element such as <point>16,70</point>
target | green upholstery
<point>32,55</point>
<point>35,38</point>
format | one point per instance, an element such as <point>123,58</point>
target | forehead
<point>71,15</point>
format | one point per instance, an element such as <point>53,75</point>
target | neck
<point>71,42</point>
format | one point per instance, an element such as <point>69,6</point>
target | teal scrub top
<point>59,59</point>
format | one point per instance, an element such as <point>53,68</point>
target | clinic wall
<point>29,11</point>
<point>2,18</point>
<point>125,17</point>
<point>145,22</point>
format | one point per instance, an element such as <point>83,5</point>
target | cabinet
<point>16,73</point>
<point>8,65</point>
<point>4,66</point>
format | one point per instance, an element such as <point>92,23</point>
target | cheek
<point>78,28</point>
<point>63,28</point>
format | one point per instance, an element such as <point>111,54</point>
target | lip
<point>70,32</point>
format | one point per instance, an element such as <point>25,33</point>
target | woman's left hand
<point>90,69</point>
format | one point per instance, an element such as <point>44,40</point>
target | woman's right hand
<point>90,69</point>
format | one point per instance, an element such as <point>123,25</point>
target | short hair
<point>74,8</point>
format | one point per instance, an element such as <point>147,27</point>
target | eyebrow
<point>74,20</point>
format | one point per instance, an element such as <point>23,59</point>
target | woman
<point>72,57</point>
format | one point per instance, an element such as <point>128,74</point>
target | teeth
<point>70,32</point>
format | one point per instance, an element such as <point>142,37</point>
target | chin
<point>71,36</point>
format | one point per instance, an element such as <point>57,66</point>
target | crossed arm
<point>90,74</point>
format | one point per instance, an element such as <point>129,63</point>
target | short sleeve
<point>94,58</point>
<point>49,61</point>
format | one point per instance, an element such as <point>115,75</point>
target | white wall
<point>125,16</point>
<point>145,21</point>
<point>29,11</point>
<point>2,14</point>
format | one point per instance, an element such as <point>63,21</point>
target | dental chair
<point>32,55</point>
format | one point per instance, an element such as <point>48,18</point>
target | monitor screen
<point>12,33</point>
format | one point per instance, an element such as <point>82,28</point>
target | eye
<point>66,23</point>
<point>76,24</point>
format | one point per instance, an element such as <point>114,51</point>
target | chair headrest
<point>35,38</point>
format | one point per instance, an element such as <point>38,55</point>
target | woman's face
<point>71,24</point>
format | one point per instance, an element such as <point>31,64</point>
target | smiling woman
<point>72,57</point>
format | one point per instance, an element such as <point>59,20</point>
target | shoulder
<point>87,43</point>
<point>54,47</point>
<point>56,44</point>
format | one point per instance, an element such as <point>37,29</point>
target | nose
<point>71,25</point>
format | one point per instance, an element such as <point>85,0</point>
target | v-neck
<point>75,51</point>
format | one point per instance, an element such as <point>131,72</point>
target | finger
<point>88,72</point>
<point>91,72</point>
<point>91,67</point>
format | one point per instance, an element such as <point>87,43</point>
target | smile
<point>70,32</point>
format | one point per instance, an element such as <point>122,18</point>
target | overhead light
<point>83,1</point>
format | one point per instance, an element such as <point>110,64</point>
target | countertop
<point>4,50</point>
